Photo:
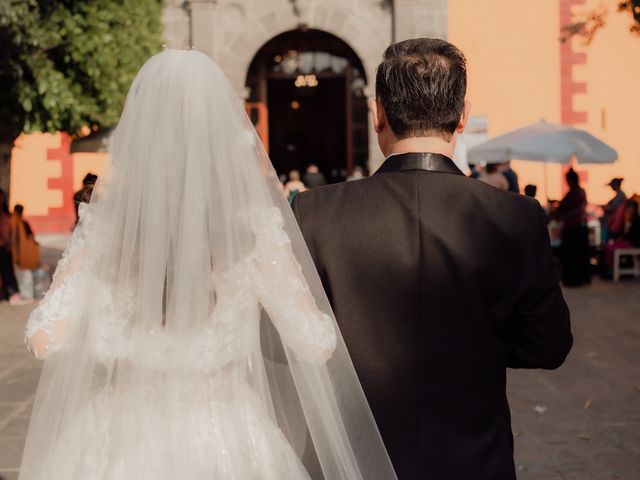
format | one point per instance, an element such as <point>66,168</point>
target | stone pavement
<point>581,422</point>
<point>19,373</point>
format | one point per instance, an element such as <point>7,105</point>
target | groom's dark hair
<point>421,84</point>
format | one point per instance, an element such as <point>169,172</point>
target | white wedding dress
<point>218,413</point>
<point>186,333</point>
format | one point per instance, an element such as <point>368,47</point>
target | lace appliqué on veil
<point>53,309</point>
<point>282,291</point>
<point>51,316</point>
<point>270,276</point>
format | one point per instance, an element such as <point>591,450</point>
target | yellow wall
<point>513,51</point>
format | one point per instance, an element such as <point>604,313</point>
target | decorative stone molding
<point>232,31</point>
<point>421,18</point>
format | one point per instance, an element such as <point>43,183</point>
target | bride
<point>186,333</point>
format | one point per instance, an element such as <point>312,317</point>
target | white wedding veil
<point>189,215</point>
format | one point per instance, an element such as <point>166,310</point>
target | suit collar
<point>432,162</point>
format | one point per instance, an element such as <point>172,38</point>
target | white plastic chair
<point>633,269</point>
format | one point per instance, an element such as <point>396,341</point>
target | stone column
<point>175,19</point>
<point>203,16</point>
<point>413,18</point>
<point>421,18</point>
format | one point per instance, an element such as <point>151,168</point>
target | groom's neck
<point>422,145</point>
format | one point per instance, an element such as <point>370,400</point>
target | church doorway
<point>306,99</point>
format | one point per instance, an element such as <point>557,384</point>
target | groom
<point>438,282</point>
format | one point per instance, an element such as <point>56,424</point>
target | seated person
<point>629,237</point>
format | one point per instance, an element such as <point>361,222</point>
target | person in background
<point>574,252</point>
<point>84,194</point>
<point>530,191</point>
<point>628,238</point>
<point>283,181</point>
<point>619,198</point>
<point>357,174</point>
<point>492,176</point>
<point>631,232</point>
<point>294,186</point>
<point>511,176</point>
<point>338,175</point>
<point>18,213</point>
<point>7,273</point>
<point>25,252</point>
<point>474,171</point>
<point>314,177</point>
<point>612,219</point>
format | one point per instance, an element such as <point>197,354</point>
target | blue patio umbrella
<point>546,143</point>
<point>543,142</point>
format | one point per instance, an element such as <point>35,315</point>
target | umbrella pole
<point>546,182</point>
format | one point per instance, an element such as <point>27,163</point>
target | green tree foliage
<point>68,64</point>
<point>632,7</point>
<point>592,21</point>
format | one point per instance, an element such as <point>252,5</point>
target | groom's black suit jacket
<point>438,282</point>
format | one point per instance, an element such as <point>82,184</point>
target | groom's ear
<point>464,118</point>
<point>377,115</point>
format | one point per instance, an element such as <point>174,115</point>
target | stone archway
<point>309,86</point>
<point>366,31</point>
<point>232,31</point>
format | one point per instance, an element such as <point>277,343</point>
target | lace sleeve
<point>283,291</point>
<point>48,323</point>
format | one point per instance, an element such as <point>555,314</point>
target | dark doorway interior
<point>307,125</point>
<point>306,98</point>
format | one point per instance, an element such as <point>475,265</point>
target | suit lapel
<point>432,162</point>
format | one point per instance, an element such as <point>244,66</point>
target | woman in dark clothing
<point>631,226</point>
<point>574,252</point>
<point>629,237</point>
<point>7,274</point>
<point>84,194</point>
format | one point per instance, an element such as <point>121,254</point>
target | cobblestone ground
<point>581,422</point>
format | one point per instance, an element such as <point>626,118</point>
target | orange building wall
<point>515,78</point>
<point>44,177</point>
<point>513,50</point>
<point>31,171</point>
<point>612,101</point>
